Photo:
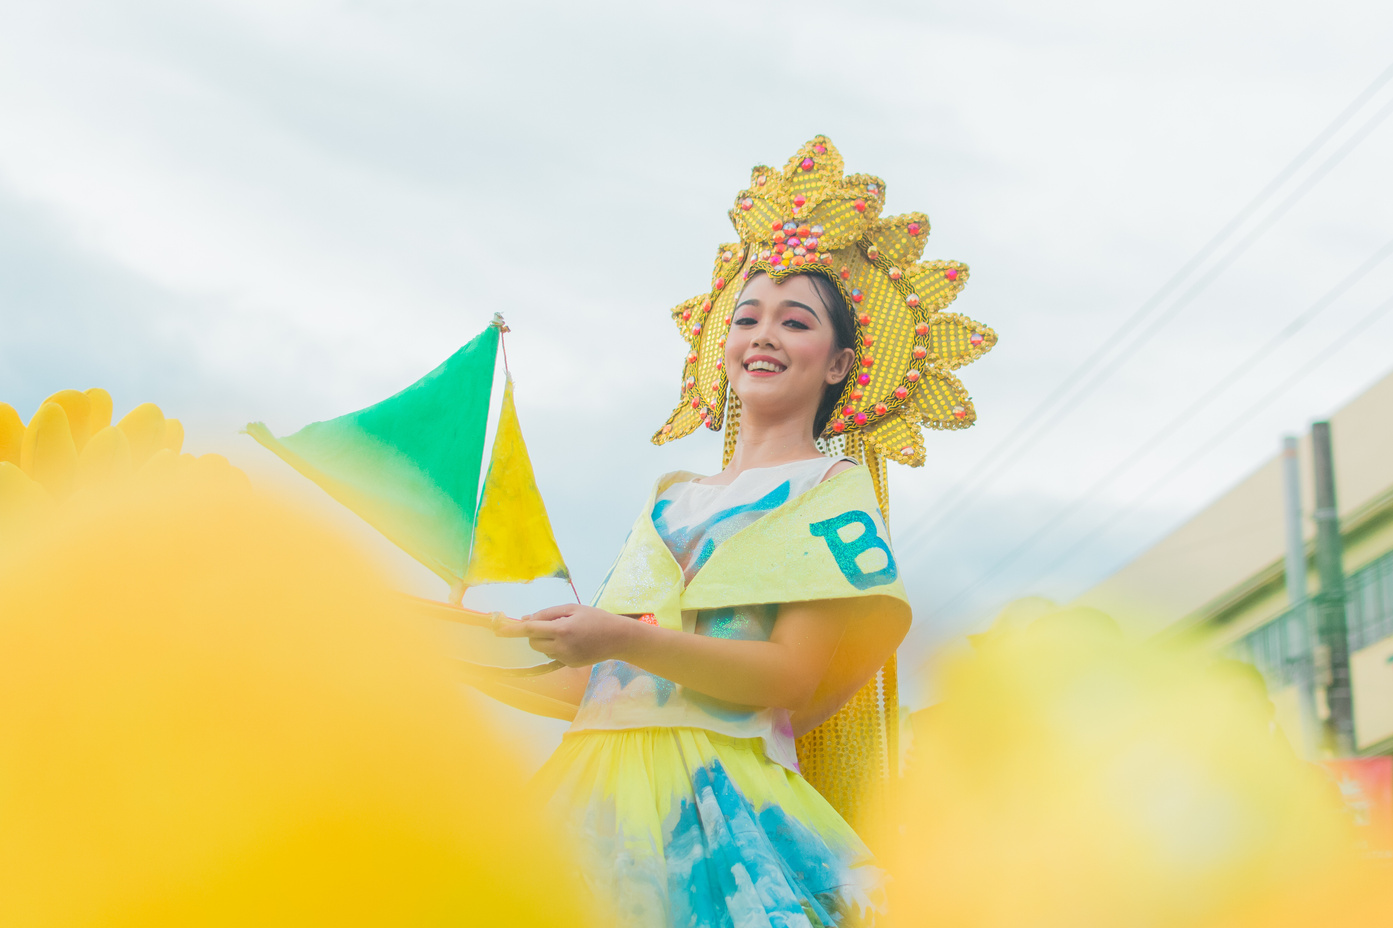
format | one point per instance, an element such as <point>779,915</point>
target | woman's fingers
<point>538,624</point>
<point>552,612</point>
<point>540,635</point>
<point>525,628</point>
<point>559,632</point>
<point>529,628</point>
<point>510,628</point>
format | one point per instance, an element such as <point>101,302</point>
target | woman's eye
<point>745,320</point>
<point>794,323</point>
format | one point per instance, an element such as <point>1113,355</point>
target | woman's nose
<point>765,334</point>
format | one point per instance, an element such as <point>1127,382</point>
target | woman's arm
<point>879,630</point>
<point>782,672</point>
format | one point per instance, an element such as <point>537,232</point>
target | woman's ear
<point>841,365</point>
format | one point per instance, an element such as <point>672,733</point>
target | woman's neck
<point>768,445</point>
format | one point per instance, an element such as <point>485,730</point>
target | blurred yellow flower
<point>1071,777</point>
<point>214,714</point>
<point>69,449</point>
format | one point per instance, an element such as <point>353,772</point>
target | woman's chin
<point>769,401</point>
<point>757,390</point>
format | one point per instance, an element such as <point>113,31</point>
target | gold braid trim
<point>852,759</point>
<point>889,677</point>
<point>844,758</point>
<point>732,429</point>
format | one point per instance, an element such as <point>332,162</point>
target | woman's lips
<point>763,365</point>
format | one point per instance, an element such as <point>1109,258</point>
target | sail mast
<point>512,536</point>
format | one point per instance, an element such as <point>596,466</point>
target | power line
<point>995,460</point>
<point>1042,424</point>
<point>1207,396</point>
<point>1204,448</point>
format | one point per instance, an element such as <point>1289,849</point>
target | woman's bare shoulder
<point>838,468</point>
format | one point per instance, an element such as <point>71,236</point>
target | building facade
<point>1220,579</point>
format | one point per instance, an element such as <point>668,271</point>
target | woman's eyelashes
<point>791,322</point>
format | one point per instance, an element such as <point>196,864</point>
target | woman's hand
<point>789,671</point>
<point>573,634</point>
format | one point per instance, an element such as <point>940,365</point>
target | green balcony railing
<point>1369,602</point>
<point>1281,649</point>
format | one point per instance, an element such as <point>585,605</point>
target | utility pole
<point>1300,610</point>
<point>1332,650</point>
<point>1296,545</point>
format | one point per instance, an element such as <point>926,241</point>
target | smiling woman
<point>740,636</point>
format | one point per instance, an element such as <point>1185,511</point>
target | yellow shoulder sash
<point>829,543</point>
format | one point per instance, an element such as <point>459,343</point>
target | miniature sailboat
<point>410,467</point>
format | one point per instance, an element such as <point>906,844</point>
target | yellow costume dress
<point>690,811</point>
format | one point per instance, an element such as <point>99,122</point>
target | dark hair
<point>844,335</point>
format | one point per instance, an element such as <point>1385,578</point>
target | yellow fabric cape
<point>829,543</point>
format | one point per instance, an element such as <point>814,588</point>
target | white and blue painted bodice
<point>693,519</point>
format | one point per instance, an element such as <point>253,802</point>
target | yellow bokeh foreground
<point>70,453</point>
<point>1071,778</point>
<point>211,716</point>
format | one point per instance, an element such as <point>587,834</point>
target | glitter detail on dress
<point>693,519</point>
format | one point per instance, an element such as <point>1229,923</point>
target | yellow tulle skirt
<point>686,827</point>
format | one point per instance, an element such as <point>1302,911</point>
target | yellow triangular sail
<point>513,541</point>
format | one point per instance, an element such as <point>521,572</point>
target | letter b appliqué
<point>846,552</point>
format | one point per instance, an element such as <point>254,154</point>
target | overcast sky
<point>286,211</point>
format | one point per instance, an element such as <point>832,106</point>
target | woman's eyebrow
<point>783,303</point>
<point>802,306</point>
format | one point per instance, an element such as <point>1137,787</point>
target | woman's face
<point>782,352</point>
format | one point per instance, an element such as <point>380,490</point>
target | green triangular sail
<point>410,464</point>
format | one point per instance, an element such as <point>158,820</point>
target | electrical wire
<point>1217,438</point>
<point>1229,428</point>
<point>996,460</point>
<point>1206,398</point>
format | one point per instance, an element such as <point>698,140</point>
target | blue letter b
<point>846,552</point>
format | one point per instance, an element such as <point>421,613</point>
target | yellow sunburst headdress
<point>809,218</point>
